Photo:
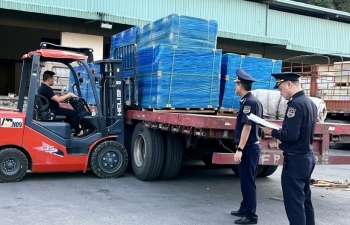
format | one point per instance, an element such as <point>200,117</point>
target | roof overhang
<point>294,5</point>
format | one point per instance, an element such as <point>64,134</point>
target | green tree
<point>343,5</point>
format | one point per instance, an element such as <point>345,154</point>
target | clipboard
<point>262,122</point>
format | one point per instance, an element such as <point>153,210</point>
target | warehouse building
<point>277,29</point>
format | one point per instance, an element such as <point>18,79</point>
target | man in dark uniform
<point>296,136</point>
<point>247,136</point>
<point>54,100</point>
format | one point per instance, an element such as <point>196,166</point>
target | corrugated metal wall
<point>310,34</point>
<point>237,19</point>
<point>49,22</point>
<point>234,15</point>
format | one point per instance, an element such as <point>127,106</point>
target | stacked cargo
<point>174,77</point>
<point>259,68</point>
<point>333,81</point>
<point>175,54</point>
<point>182,31</point>
<point>178,65</point>
<point>123,46</point>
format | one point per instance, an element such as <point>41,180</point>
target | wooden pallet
<point>228,113</point>
<point>181,110</point>
<point>332,184</point>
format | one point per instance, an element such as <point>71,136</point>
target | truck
<point>153,142</point>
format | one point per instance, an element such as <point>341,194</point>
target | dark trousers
<point>296,176</point>
<point>71,115</point>
<point>247,175</point>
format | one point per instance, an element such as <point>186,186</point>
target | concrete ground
<point>198,196</point>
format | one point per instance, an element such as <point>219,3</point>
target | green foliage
<point>342,5</point>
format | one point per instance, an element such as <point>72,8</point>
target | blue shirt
<point>297,133</point>
<point>248,104</point>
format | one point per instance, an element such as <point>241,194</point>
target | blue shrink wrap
<point>179,30</point>
<point>124,38</point>
<point>176,77</point>
<point>259,68</point>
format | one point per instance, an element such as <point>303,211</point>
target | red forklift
<point>40,141</point>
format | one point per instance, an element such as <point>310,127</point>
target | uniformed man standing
<point>247,136</point>
<point>296,136</point>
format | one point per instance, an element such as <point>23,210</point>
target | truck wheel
<point>108,159</point>
<point>173,156</point>
<point>235,170</point>
<point>267,171</point>
<point>14,165</point>
<point>147,152</point>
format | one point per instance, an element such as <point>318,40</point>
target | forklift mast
<point>112,96</point>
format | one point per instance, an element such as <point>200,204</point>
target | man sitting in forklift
<point>54,100</point>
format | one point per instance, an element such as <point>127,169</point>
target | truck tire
<point>147,152</point>
<point>172,156</point>
<point>108,159</point>
<point>14,165</point>
<point>267,171</point>
<point>235,170</point>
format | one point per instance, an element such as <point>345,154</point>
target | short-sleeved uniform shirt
<point>248,104</point>
<point>48,93</point>
<point>297,133</point>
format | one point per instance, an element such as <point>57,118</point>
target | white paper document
<point>262,122</point>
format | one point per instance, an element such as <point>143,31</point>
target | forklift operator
<point>54,100</point>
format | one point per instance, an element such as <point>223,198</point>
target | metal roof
<point>294,5</point>
<point>290,30</point>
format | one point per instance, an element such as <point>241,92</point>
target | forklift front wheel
<point>108,159</point>
<point>13,165</point>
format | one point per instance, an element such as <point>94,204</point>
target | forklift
<point>39,141</point>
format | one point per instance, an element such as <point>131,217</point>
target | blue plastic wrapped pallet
<point>127,54</point>
<point>124,38</point>
<point>259,68</point>
<point>176,77</point>
<point>179,30</point>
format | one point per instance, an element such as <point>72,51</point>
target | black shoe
<point>244,220</point>
<point>237,213</point>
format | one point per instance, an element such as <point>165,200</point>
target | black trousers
<point>71,115</point>
<point>247,175</point>
<point>296,176</point>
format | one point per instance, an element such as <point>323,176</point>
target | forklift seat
<point>42,110</point>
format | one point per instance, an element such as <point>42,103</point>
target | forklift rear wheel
<point>172,156</point>
<point>147,152</point>
<point>108,159</point>
<point>14,165</point>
